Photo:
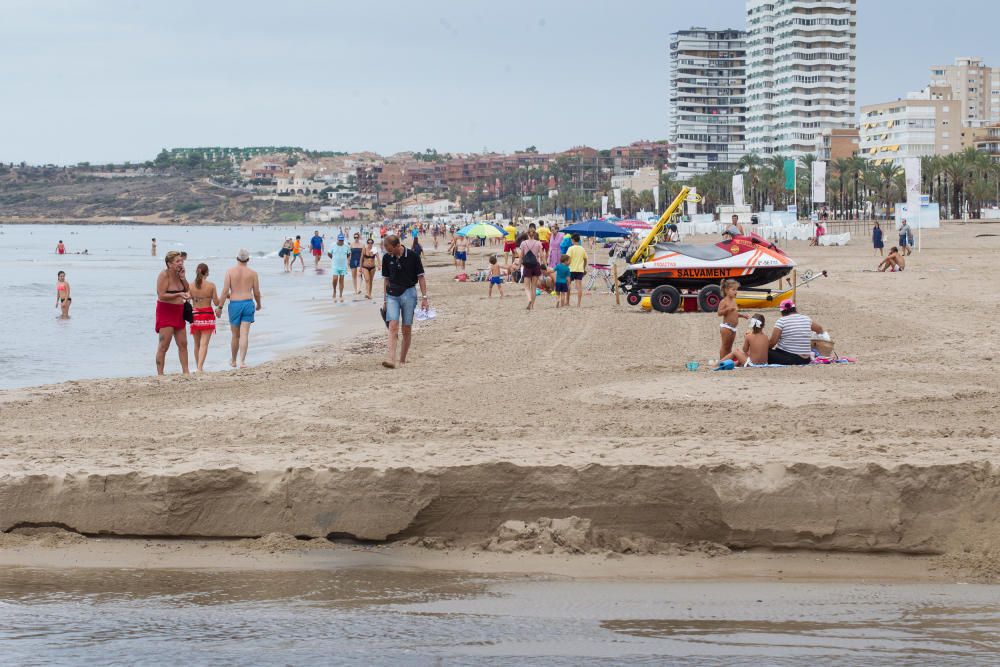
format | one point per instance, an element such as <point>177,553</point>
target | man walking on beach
<point>402,271</point>
<point>242,289</point>
<point>316,242</point>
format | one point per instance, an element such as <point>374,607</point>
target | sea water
<point>110,330</point>
<point>382,616</point>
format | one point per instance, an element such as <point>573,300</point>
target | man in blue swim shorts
<point>402,271</point>
<point>242,289</point>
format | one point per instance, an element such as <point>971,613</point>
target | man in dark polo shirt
<point>402,271</point>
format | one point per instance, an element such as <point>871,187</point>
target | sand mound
<point>45,536</point>
<point>573,535</point>
<point>280,543</point>
<point>978,566</point>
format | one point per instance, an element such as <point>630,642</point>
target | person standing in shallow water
<point>63,297</point>
<point>171,293</point>
<point>242,289</point>
<point>153,248</point>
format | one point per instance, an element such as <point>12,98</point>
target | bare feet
<point>388,364</point>
<point>243,364</point>
<point>232,363</point>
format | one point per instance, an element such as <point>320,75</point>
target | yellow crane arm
<point>655,231</point>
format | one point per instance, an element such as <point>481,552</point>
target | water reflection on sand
<point>375,616</point>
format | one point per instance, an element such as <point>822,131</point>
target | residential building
<point>800,73</point>
<point>987,140</point>
<point>925,123</point>
<point>707,100</point>
<point>974,86</point>
<point>837,144</point>
<point>384,181</point>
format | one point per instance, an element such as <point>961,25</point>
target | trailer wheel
<point>709,297</point>
<point>633,298</point>
<point>665,299</point>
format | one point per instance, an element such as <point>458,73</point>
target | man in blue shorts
<point>402,271</point>
<point>242,289</point>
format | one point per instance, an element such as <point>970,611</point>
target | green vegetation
<point>188,206</point>
<point>289,216</point>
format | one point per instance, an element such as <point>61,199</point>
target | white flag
<point>911,169</point>
<point>819,182</point>
<point>604,206</point>
<point>618,198</point>
<point>691,204</point>
<point>738,189</point>
<point>656,198</point>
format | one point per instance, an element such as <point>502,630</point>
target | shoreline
<point>507,415</point>
<point>270,554</point>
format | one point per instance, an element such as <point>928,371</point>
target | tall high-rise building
<point>975,86</point>
<point>800,73</point>
<point>707,100</point>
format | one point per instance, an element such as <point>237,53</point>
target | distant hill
<point>66,195</point>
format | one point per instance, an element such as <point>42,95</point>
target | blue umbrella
<point>598,228</point>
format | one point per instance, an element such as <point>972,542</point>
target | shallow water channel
<point>375,616</point>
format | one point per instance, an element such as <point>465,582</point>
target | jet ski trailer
<point>673,274</point>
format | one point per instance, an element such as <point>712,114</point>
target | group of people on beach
<point>789,344</point>
<point>179,303</point>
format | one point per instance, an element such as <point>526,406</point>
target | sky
<point>117,80</point>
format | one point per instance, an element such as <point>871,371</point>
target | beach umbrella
<point>598,228</point>
<point>481,230</point>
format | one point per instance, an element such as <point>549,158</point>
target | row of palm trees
<point>961,183</point>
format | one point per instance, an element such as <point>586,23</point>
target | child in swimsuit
<point>495,277</point>
<point>755,345</point>
<point>729,311</point>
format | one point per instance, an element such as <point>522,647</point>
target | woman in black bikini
<point>369,262</point>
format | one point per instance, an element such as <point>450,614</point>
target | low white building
<point>636,180</point>
<point>435,207</point>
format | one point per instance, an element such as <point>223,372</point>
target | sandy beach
<point>507,414</point>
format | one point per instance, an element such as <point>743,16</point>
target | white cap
<point>244,255</point>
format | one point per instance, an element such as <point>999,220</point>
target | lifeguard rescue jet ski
<point>669,269</point>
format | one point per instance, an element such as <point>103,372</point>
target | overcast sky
<point>115,80</point>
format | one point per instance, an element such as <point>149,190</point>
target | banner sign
<point>789,174</point>
<point>604,206</point>
<point>738,189</point>
<point>618,198</point>
<point>656,199</point>
<point>819,182</point>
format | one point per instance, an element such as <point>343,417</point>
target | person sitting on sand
<point>755,345</point>
<point>791,338</point>
<point>729,311</point>
<point>547,281</point>
<point>894,261</point>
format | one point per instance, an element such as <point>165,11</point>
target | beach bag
<point>188,312</point>
<point>529,259</point>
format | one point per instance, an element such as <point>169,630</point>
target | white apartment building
<point>800,73</point>
<point>924,124</point>
<point>974,86</point>
<point>707,100</point>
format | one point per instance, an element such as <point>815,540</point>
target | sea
<point>113,278</point>
<point>368,616</point>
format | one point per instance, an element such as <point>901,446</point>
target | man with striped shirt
<point>791,338</point>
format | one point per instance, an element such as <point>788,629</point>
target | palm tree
<point>843,168</point>
<point>750,164</point>
<point>858,167</point>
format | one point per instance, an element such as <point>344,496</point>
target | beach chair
<point>601,272</point>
